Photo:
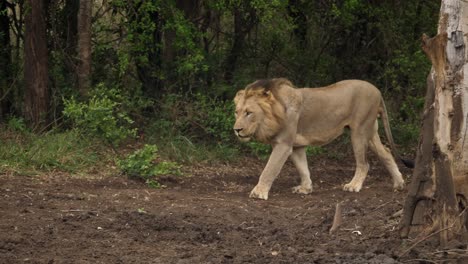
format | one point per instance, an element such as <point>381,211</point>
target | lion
<point>275,112</point>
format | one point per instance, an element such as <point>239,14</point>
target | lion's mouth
<point>243,137</point>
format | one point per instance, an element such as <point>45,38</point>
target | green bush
<point>17,124</point>
<point>198,117</point>
<point>142,164</point>
<point>102,115</point>
<point>260,150</point>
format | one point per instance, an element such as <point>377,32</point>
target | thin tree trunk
<point>84,46</point>
<point>147,71</point>
<point>299,19</point>
<point>236,49</point>
<point>5,61</point>
<point>245,18</point>
<point>442,157</point>
<point>35,65</point>
<point>70,30</point>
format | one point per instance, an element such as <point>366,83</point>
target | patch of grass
<point>144,164</point>
<point>182,149</point>
<point>315,151</point>
<point>185,147</point>
<point>28,153</point>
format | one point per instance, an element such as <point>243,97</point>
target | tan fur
<point>275,112</point>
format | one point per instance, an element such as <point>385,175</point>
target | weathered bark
<point>442,157</point>
<point>84,46</point>
<point>5,61</point>
<point>35,65</point>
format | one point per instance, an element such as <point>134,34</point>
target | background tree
<point>441,173</point>
<point>245,18</point>
<point>36,76</point>
<point>84,46</point>
<point>5,61</point>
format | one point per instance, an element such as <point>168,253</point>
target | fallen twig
<point>380,206</point>
<point>419,260</point>
<point>78,210</point>
<point>337,219</point>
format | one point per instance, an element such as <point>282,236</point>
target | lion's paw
<point>399,186</point>
<point>302,189</point>
<point>258,193</point>
<point>350,187</point>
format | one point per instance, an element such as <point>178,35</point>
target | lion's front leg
<point>276,161</point>
<point>299,158</point>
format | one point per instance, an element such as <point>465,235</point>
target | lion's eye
<point>247,113</point>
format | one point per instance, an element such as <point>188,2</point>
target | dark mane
<point>268,84</point>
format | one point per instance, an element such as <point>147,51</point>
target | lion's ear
<point>239,94</point>
<point>266,94</point>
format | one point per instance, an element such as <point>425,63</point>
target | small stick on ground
<point>336,219</point>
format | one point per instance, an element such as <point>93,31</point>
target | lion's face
<point>258,115</point>
<point>248,117</point>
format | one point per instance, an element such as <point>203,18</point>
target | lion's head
<point>259,113</point>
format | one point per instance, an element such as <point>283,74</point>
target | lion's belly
<point>317,138</point>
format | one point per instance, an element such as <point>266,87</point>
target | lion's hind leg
<point>299,158</point>
<point>387,159</point>
<point>360,142</point>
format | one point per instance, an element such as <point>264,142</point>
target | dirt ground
<point>206,217</point>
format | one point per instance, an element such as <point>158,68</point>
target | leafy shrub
<point>216,117</point>
<point>198,116</point>
<point>102,115</point>
<point>142,164</point>
<point>17,124</point>
<point>260,150</point>
<point>405,134</point>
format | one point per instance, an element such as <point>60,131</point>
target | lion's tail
<point>388,133</point>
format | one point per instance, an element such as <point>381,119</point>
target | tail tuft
<point>408,163</point>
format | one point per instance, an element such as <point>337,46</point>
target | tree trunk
<point>148,70</point>
<point>191,11</point>
<point>68,41</point>
<point>442,157</point>
<point>84,46</point>
<point>299,20</point>
<point>70,30</point>
<point>236,49</point>
<point>245,18</point>
<point>5,61</point>
<point>35,65</point>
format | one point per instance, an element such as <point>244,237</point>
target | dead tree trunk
<point>84,46</point>
<point>442,156</point>
<point>35,65</point>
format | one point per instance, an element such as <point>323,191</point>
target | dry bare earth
<point>206,217</point>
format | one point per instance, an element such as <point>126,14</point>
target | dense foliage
<point>167,70</point>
